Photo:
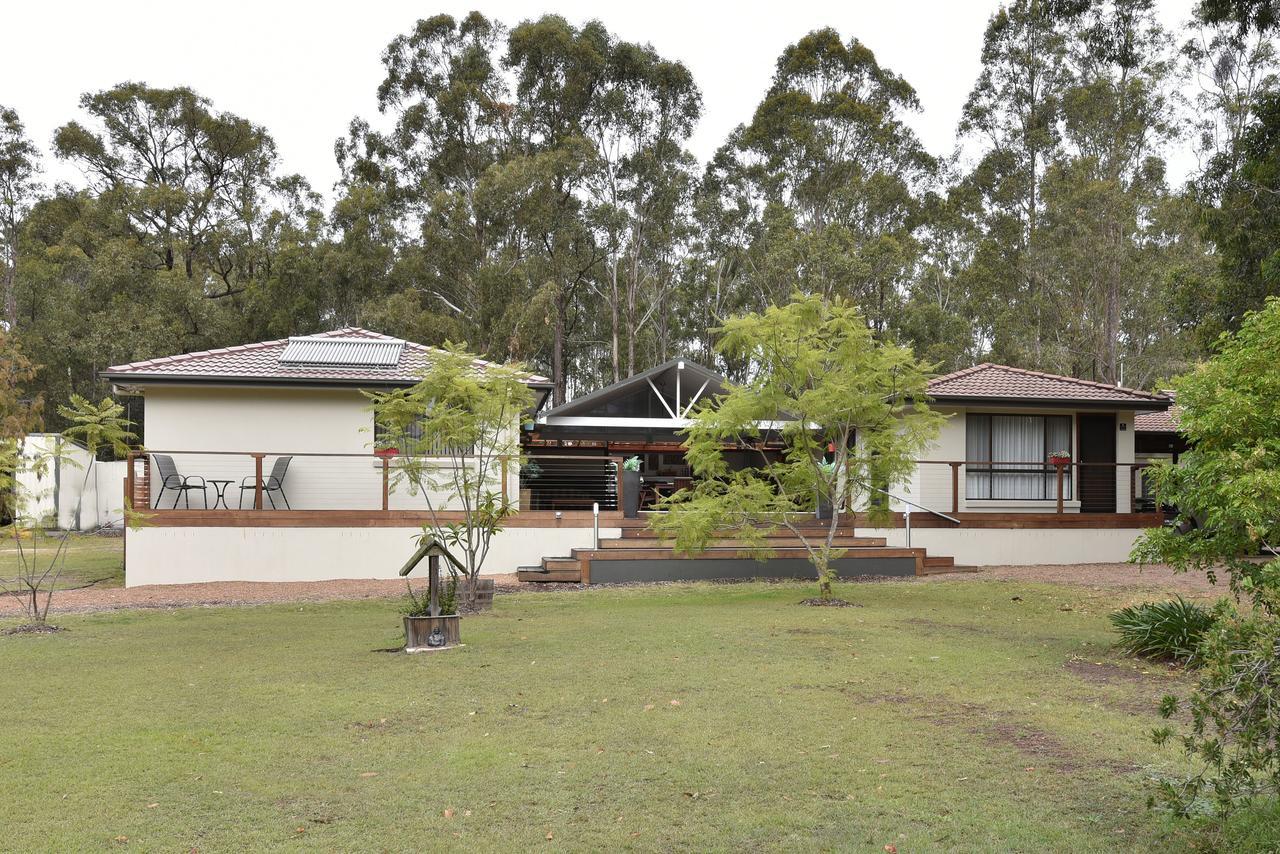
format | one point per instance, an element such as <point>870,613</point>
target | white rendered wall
<point>1017,546</point>
<point>171,555</point>
<point>278,421</point>
<point>70,491</point>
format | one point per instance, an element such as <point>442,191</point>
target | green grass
<point>91,561</point>
<point>939,716</point>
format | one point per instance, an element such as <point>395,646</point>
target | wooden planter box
<point>418,629</point>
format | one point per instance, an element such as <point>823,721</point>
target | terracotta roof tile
<point>1001,382</point>
<point>260,362</point>
<point>1165,421</point>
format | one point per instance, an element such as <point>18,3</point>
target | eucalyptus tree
<point>1012,120</point>
<point>19,164</point>
<point>184,178</point>
<point>829,177</point>
<point>647,108</point>
<point>1117,118</point>
<point>458,266</point>
<point>1240,182</point>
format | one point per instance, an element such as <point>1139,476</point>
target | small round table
<point>220,487</point>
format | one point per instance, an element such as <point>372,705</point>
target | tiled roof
<point>260,363</point>
<point>1001,382</point>
<point>1165,421</point>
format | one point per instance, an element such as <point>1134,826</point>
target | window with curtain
<point>1008,456</point>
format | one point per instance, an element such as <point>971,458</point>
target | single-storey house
<point>259,465</point>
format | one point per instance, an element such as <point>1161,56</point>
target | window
<point>414,433</point>
<point>1008,456</point>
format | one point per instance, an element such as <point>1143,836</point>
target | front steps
<point>639,555</point>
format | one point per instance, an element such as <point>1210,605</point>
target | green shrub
<point>419,604</point>
<point>1168,631</point>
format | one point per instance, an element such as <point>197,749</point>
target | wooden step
<point>666,553</point>
<point>542,574</point>
<point>644,532</point>
<point>777,541</point>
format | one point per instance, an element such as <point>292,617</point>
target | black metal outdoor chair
<point>272,483</point>
<point>182,486</point>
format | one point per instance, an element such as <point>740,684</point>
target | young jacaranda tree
<point>850,410</point>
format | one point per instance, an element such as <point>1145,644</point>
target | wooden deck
<point>631,527</point>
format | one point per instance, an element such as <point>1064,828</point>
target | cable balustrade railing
<point>1048,483</point>
<point>552,483</point>
<point>288,481</point>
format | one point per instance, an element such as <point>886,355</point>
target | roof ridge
<point>1049,376</point>
<point>963,372</point>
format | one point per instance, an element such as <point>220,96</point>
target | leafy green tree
<point>850,411</point>
<point>1013,115</point>
<point>1226,490</point>
<point>19,162</point>
<point>455,436</point>
<point>824,182</point>
<point>640,191</point>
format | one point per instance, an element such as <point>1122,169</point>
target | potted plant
<point>1060,458</point>
<point>631,487</point>
<point>529,472</point>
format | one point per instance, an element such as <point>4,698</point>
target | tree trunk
<point>560,390</point>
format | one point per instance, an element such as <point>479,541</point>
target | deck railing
<point>1061,482</point>
<point>237,480</point>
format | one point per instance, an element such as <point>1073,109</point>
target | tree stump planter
<point>420,633</point>
<point>484,593</point>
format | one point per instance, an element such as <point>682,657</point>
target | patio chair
<point>168,478</point>
<point>273,483</point>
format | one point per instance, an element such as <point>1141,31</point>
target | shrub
<point>1168,631</point>
<point>420,604</point>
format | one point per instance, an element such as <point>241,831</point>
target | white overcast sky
<point>304,69</point>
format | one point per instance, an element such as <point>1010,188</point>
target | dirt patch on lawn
<point>32,629</point>
<point>998,728</point>
<point>1106,673</point>
<point>1094,575</point>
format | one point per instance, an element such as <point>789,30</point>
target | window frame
<point>1047,474</point>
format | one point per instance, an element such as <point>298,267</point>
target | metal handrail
<point>911,503</point>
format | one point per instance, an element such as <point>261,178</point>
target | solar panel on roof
<point>343,352</point>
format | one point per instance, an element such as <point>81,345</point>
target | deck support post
<point>257,481</point>
<point>128,481</point>
<point>1059,466</point>
<point>955,487</point>
<point>386,483</point>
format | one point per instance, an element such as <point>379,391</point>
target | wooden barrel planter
<point>428,634</point>
<point>484,593</point>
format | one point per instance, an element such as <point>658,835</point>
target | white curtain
<point>1017,441</point>
<point>1017,447</point>
<point>977,449</point>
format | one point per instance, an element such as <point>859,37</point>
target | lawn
<point>969,716</point>
<point>91,560</point>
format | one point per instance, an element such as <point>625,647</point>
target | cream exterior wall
<point>276,421</point>
<point>930,486</point>
<point>164,555</point>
